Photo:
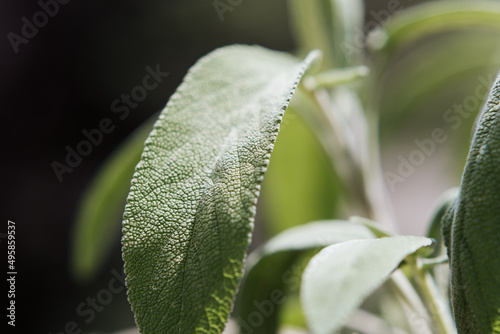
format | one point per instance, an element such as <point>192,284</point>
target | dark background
<point>62,82</point>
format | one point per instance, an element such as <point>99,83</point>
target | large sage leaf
<point>471,229</point>
<point>259,289</point>
<point>191,205</point>
<point>340,277</point>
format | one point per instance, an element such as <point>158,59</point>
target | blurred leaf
<point>340,277</point>
<point>389,305</point>
<point>330,26</point>
<point>291,313</point>
<point>100,211</point>
<point>340,127</point>
<point>379,230</point>
<point>191,205</point>
<point>421,21</point>
<point>471,229</point>
<point>312,235</point>
<point>299,186</point>
<point>427,89</point>
<point>435,226</point>
<point>277,256</point>
<point>430,60</point>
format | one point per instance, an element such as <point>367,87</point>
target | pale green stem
<point>407,294</point>
<point>428,264</point>
<point>335,77</point>
<point>439,312</point>
<point>341,157</point>
<point>375,188</point>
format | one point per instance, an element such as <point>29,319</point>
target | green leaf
<point>340,277</point>
<point>330,26</point>
<point>412,92</point>
<point>299,186</point>
<point>423,93</point>
<point>277,255</point>
<point>434,231</point>
<point>101,208</point>
<point>377,229</point>
<point>435,17</point>
<point>191,207</point>
<point>338,126</point>
<point>471,229</point>
<point>313,235</point>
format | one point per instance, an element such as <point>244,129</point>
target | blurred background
<point>64,79</point>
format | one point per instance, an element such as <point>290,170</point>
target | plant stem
<point>335,77</point>
<point>377,192</point>
<point>440,313</point>
<point>428,264</point>
<point>332,128</point>
<point>405,291</point>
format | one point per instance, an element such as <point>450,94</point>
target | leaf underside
<point>191,206</point>
<point>340,277</point>
<point>277,255</point>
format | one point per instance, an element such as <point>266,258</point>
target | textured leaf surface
<point>100,213</point>
<point>191,206</point>
<point>277,255</point>
<point>340,277</point>
<point>471,229</point>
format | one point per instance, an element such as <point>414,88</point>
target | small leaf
<point>101,208</point>
<point>471,229</point>
<point>340,277</point>
<point>377,229</point>
<point>191,206</point>
<point>442,205</point>
<point>315,234</point>
<point>277,255</point>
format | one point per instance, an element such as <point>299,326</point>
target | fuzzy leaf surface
<point>471,229</point>
<point>341,276</point>
<point>191,206</point>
